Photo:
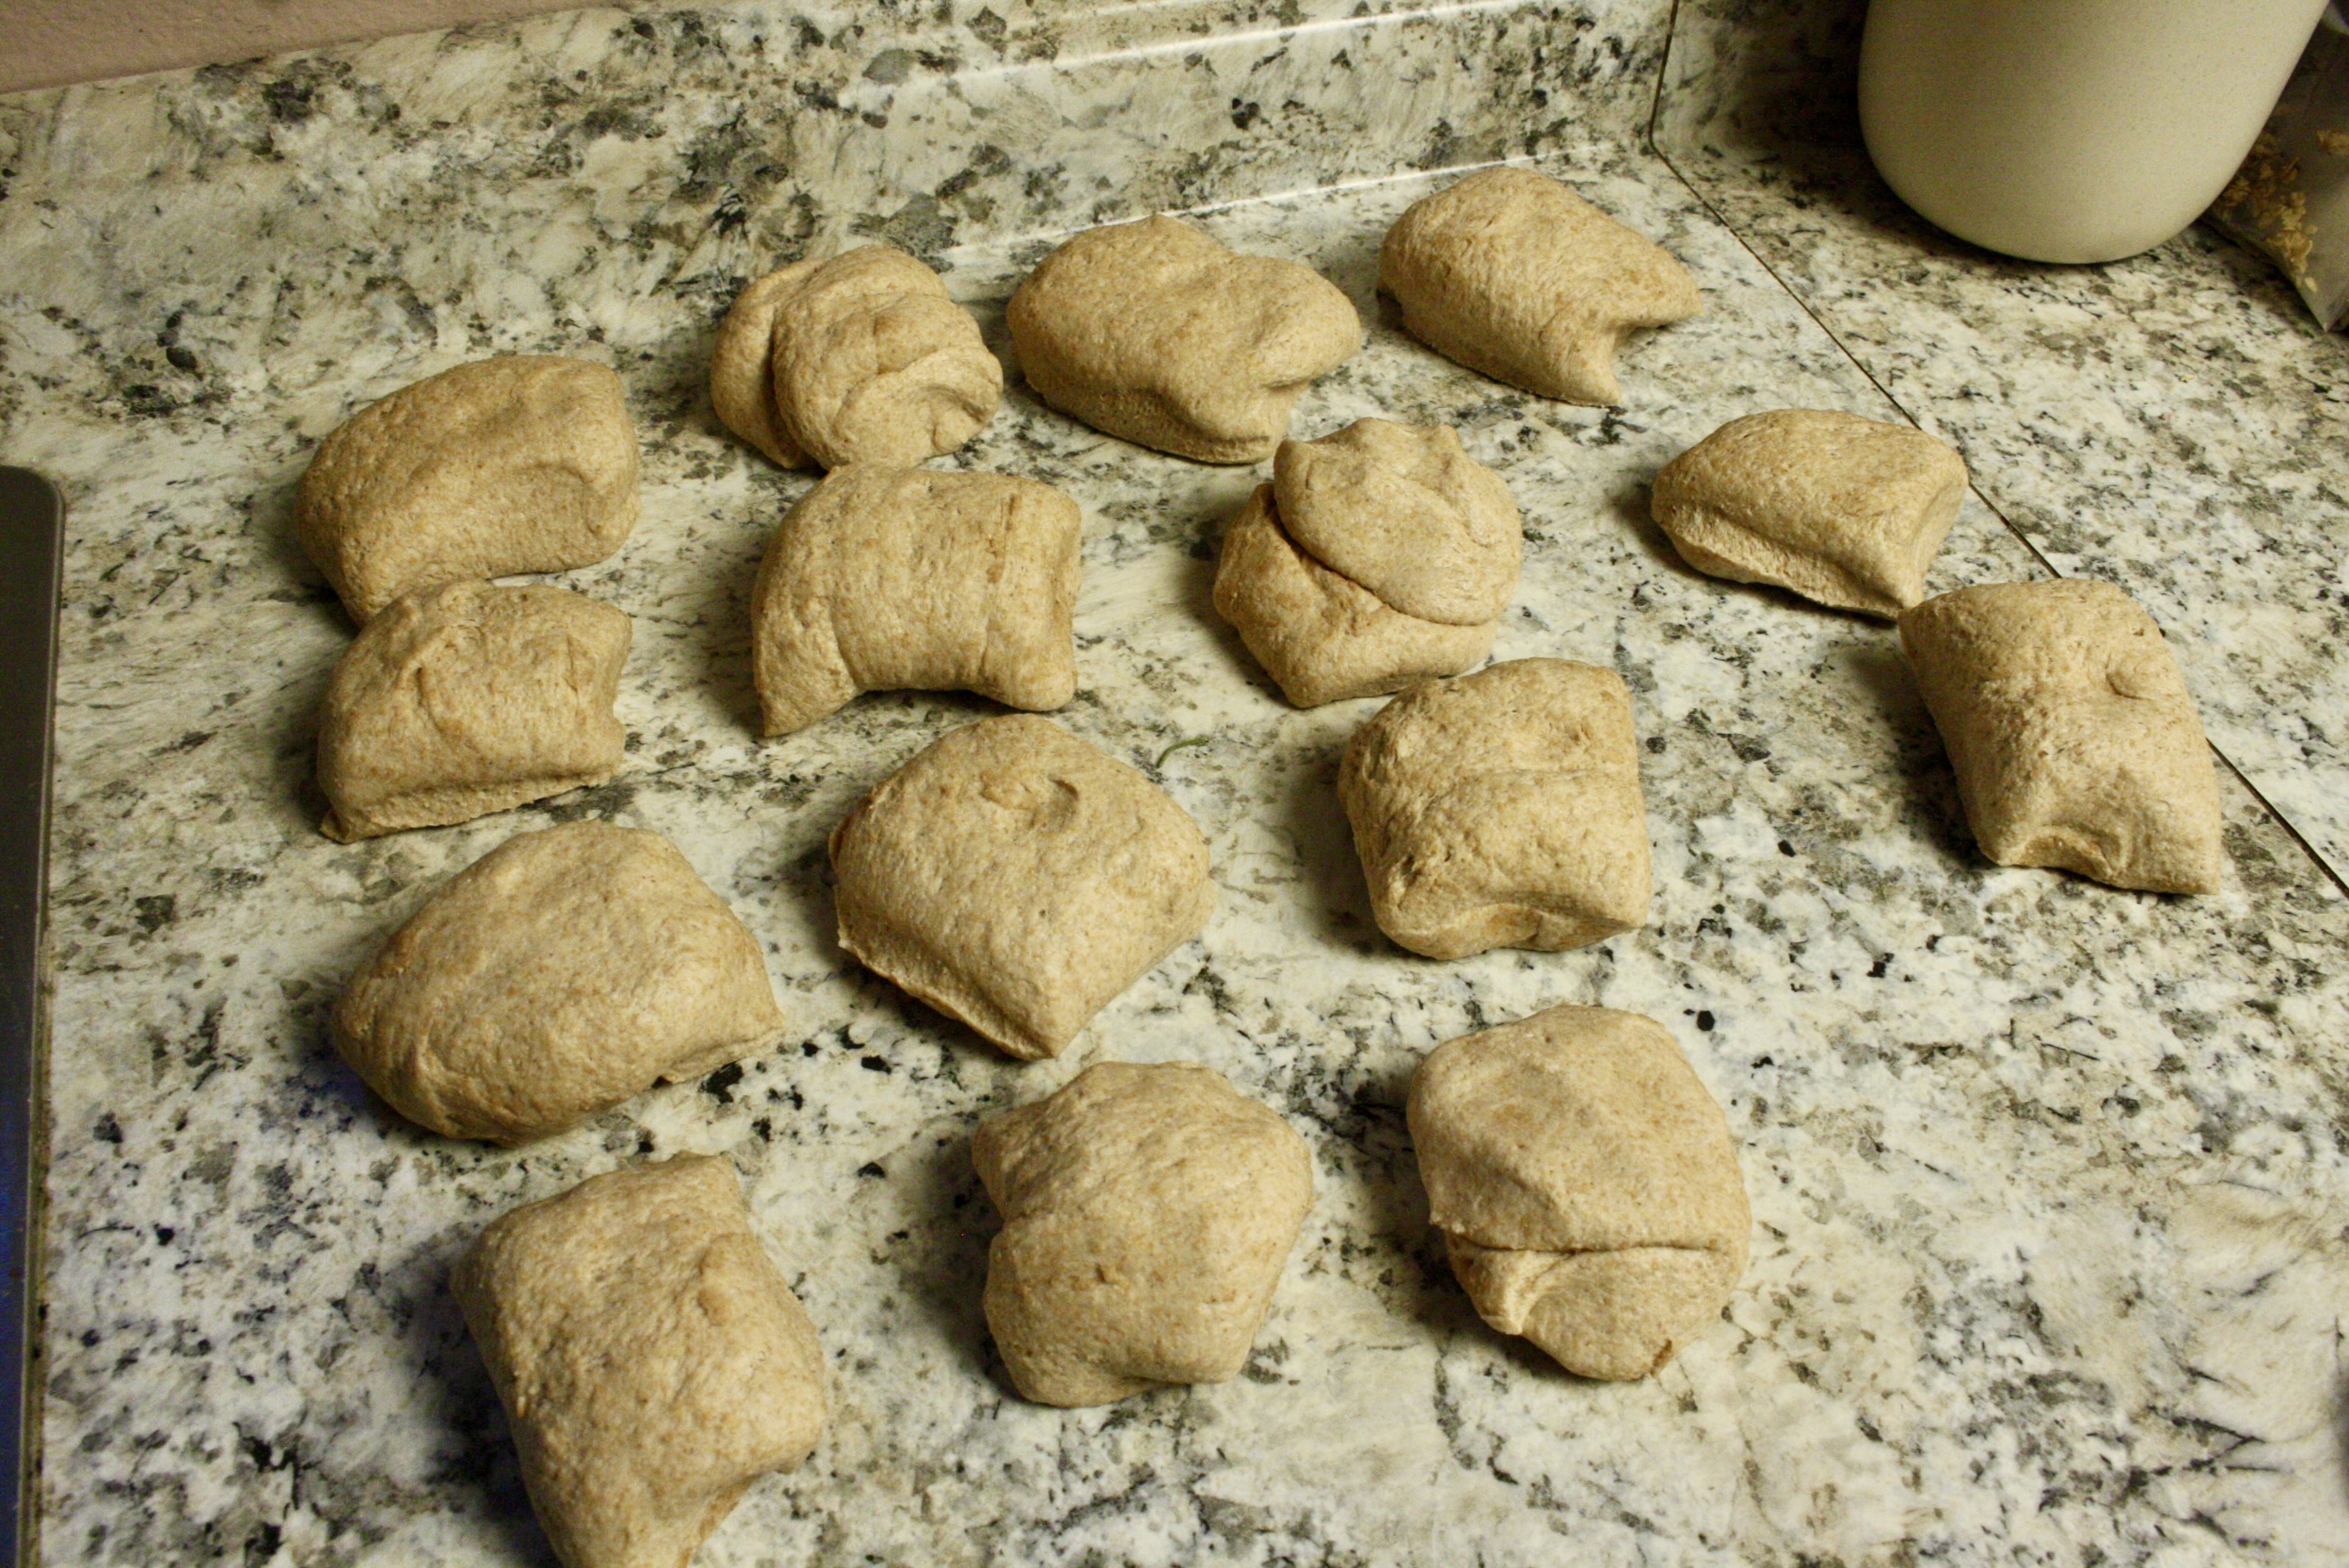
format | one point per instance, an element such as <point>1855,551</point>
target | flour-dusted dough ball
<point>1015,878</point>
<point>466,699</point>
<point>652,1360</point>
<point>562,972</point>
<point>1843,510</point>
<point>527,463</point>
<point>1154,331</point>
<point>2075,740</point>
<point>1585,1183</point>
<point>1146,1213</point>
<point>1320,634</point>
<point>1502,810</point>
<point>1511,274</point>
<point>1406,512</point>
<point>892,579</point>
<point>858,358</point>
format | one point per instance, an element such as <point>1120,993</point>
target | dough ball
<point>1511,274</point>
<point>1147,1211</point>
<point>1320,634</point>
<point>888,579</point>
<point>562,972</point>
<point>1015,878</point>
<point>2074,739</point>
<point>1845,511</point>
<point>860,359</point>
<point>525,463</point>
<point>1156,333</point>
<point>466,699</point>
<point>1585,1184</point>
<point>651,1359</point>
<point>1406,512</point>
<point>1502,810</point>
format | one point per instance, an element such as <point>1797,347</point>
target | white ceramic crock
<point>2071,130</point>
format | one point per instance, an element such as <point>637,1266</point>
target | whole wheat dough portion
<point>1403,511</point>
<point>561,974</point>
<point>466,699</point>
<point>888,579</point>
<point>1511,274</point>
<point>1147,1211</point>
<point>1015,878</point>
<point>650,1356</point>
<point>856,358</point>
<point>2075,740</point>
<point>1845,511</point>
<point>1502,810</point>
<point>1321,636</point>
<point>1585,1183</point>
<point>1154,331</point>
<point>524,463</point>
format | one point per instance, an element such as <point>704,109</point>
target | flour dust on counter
<point>2045,1175</point>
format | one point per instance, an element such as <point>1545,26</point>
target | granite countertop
<point>2051,1182</point>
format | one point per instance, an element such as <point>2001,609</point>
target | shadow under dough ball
<point>1015,878</point>
<point>1156,331</point>
<point>1501,809</point>
<point>524,463</point>
<point>470,698</point>
<point>563,972</point>
<point>650,1356</point>
<point>893,579</point>
<point>856,358</point>
<point>1147,1211</point>
<point>1846,512</point>
<point>1586,1186</point>
<point>2075,740</point>
<point>1513,275</point>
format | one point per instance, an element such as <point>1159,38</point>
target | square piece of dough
<point>466,699</point>
<point>855,358</point>
<point>1845,511</point>
<point>1015,878</point>
<point>1586,1186</point>
<point>1502,810</point>
<point>2076,743</point>
<point>1156,331</point>
<point>1512,274</point>
<point>1146,1213</point>
<point>523,463</point>
<point>651,1359</point>
<point>560,973</point>
<point>890,579</point>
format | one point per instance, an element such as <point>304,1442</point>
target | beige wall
<point>48,43</point>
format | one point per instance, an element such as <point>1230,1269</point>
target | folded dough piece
<point>1502,810</point>
<point>523,463</point>
<point>1842,510</point>
<point>1017,879</point>
<point>1146,1213</point>
<point>1585,1184</point>
<point>466,699</point>
<point>858,358</point>
<point>652,1360</point>
<point>1511,274</point>
<point>562,972</point>
<point>890,579</point>
<point>2075,740</point>
<point>1154,331</point>
<point>1378,556</point>
<point>1320,634</point>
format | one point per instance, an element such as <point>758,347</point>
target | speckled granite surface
<point>2051,1182</point>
